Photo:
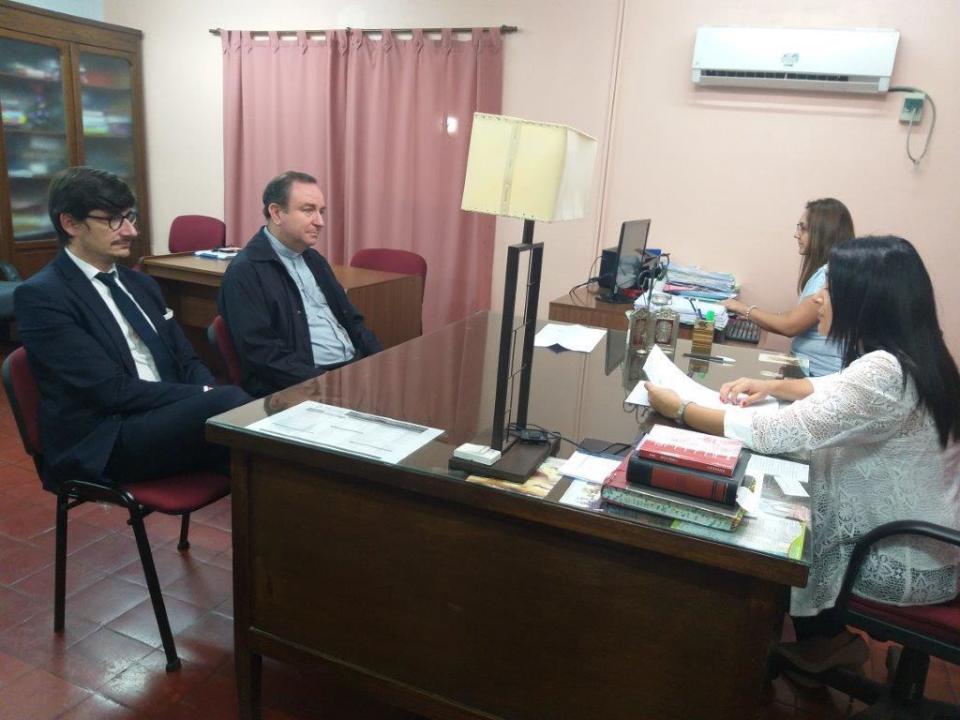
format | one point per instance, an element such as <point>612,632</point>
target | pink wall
<point>724,174</point>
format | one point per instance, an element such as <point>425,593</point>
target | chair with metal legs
<point>175,495</point>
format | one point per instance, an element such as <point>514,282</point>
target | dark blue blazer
<point>264,310</point>
<point>87,377</point>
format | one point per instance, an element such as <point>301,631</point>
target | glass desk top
<point>447,380</point>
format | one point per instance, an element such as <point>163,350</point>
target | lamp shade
<point>526,169</point>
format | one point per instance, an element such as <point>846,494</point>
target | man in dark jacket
<point>123,397</point>
<point>289,317</point>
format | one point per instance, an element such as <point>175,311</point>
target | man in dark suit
<point>289,317</point>
<point>123,396</point>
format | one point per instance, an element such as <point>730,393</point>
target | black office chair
<point>922,630</point>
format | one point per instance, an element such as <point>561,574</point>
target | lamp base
<point>516,464</point>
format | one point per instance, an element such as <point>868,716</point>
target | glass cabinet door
<point>34,131</point>
<point>106,101</point>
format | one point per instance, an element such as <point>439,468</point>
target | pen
<point>695,309</point>
<point>710,358</point>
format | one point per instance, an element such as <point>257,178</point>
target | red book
<point>687,481</point>
<point>691,449</point>
<point>619,491</point>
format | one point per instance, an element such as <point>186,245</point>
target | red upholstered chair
<point>922,630</point>
<point>396,261</point>
<point>175,495</point>
<point>218,335</point>
<point>196,232</point>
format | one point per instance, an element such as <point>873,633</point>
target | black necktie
<point>138,321</point>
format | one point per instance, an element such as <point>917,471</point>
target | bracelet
<point>681,411</point>
<point>749,310</point>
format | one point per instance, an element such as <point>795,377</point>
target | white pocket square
<point>168,314</point>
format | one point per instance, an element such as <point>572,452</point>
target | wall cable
<point>933,121</point>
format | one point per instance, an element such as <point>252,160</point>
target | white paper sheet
<point>791,487</point>
<point>571,337</point>
<point>591,468</point>
<point>349,431</point>
<point>763,465</point>
<point>661,371</point>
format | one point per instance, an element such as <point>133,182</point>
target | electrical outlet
<point>912,109</point>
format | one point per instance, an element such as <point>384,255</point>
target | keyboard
<point>742,330</point>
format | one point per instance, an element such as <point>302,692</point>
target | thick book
<point>691,449</point>
<point>687,481</point>
<point>619,492</point>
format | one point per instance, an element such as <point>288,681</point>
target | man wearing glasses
<point>123,396</point>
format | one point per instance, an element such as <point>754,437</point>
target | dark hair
<point>278,190</point>
<point>828,222</point>
<point>79,190</point>
<point>882,299</point>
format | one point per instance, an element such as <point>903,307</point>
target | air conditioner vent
<point>846,61</point>
<point>776,75</point>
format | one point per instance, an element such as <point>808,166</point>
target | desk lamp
<point>534,171</point>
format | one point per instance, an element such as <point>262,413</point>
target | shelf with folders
<point>28,61</point>
<point>108,153</point>
<point>35,140</point>
<point>28,204</point>
<point>107,117</point>
<point>34,136</point>
<point>70,94</point>
<point>107,102</point>
<point>14,130</point>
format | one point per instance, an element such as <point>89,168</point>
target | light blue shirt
<point>329,341</point>
<point>824,356</point>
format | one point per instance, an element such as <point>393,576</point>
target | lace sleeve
<point>867,399</point>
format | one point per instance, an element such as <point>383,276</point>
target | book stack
<point>684,475</point>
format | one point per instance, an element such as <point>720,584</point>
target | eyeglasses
<point>802,227</point>
<point>115,222</point>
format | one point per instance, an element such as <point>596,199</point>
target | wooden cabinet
<point>71,94</point>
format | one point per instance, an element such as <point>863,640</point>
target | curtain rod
<point>504,29</point>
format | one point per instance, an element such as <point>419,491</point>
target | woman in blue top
<point>823,224</point>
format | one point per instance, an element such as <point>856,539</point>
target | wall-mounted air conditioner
<point>857,61</point>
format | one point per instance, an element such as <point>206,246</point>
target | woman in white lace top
<point>876,431</point>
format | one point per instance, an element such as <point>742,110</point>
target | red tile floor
<point>108,663</point>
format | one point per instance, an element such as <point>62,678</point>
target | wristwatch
<point>681,411</point>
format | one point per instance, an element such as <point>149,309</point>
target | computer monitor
<point>630,259</point>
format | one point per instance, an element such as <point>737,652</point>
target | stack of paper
<point>691,281</point>
<point>218,253</point>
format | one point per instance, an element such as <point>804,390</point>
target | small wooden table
<point>582,306</point>
<point>454,600</point>
<point>390,302</point>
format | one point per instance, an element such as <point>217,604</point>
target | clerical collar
<point>278,247</point>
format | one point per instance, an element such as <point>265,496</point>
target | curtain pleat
<point>384,126</point>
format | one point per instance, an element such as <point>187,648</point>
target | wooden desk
<point>390,303</point>
<point>455,600</point>
<point>583,308</point>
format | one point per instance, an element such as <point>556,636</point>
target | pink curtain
<point>384,125</point>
